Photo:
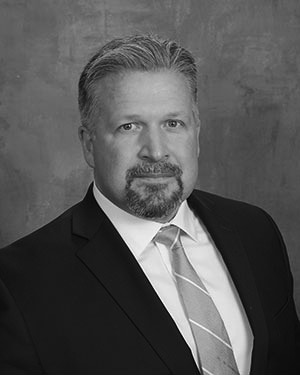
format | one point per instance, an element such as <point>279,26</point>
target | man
<point>146,275</point>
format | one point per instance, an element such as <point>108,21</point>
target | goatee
<point>154,200</point>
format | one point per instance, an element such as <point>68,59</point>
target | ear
<point>198,139</point>
<point>86,137</point>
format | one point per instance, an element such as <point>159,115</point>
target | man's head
<point>140,127</point>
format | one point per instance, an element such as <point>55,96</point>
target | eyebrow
<point>139,117</point>
<point>175,114</point>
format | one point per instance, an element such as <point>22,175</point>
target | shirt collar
<point>138,232</point>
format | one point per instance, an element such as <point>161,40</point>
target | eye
<point>174,123</point>
<point>128,127</point>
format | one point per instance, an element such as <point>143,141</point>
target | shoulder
<point>37,254</point>
<point>58,232</point>
<point>54,245</point>
<point>248,219</point>
<point>252,224</point>
<point>255,229</point>
<point>51,232</point>
<point>229,207</point>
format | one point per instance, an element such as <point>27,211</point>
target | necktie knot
<point>168,236</point>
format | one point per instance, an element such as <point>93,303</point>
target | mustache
<point>153,168</point>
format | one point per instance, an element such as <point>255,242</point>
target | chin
<point>157,202</point>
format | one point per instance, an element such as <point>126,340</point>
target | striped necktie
<point>213,344</point>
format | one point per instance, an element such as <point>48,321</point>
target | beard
<point>155,200</point>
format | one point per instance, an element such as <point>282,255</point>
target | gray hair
<point>133,53</point>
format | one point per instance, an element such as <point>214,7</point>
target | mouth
<point>157,178</point>
<point>155,175</point>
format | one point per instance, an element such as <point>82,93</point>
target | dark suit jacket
<point>73,299</point>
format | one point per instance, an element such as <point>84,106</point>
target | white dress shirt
<point>154,260</point>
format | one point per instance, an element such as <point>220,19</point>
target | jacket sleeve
<point>17,353</point>
<point>295,368</point>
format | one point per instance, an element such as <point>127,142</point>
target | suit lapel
<point>108,258</point>
<point>235,258</point>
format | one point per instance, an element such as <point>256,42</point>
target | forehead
<point>145,90</point>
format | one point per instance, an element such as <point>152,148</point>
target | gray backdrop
<point>248,53</point>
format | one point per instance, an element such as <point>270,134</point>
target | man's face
<point>144,148</point>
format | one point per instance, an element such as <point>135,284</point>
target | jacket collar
<point>87,216</point>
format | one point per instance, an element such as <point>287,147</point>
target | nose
<point>153,145</point>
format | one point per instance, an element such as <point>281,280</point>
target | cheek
<point>115,160</point>
<point>189,161</point>
<point>188,152</point>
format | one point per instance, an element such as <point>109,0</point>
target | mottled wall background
<point>248,52</point>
